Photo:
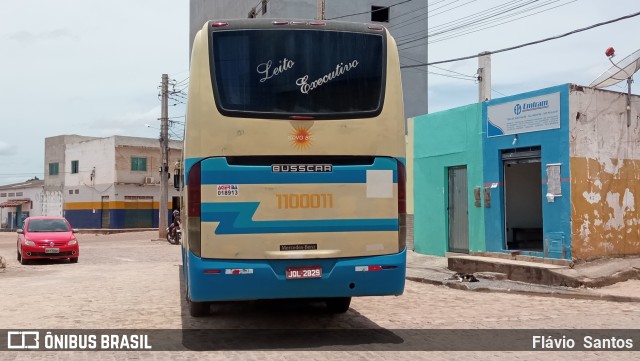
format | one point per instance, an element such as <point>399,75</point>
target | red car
<point>47,237</point>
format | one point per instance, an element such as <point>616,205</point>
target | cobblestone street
<point>126,281</point>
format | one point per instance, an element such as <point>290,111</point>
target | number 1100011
<point>305,200</point>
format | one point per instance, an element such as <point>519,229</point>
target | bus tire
<point>198,309</point>
<point>338,305</point>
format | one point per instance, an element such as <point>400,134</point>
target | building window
<point>380,14</point>
<point>264,6</point>
<point>3,194</point>
<point>70,191</point>
<point>12,194</point>
<point>18,194</point>
<point>53,168</point>
<point>138,164</point>
<point>77,191</point>
<point>74,166</point>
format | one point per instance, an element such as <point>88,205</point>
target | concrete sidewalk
<point>615,279</point>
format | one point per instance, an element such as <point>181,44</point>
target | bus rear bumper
<point>230,280</point>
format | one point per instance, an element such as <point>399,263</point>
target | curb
<point>579,296</point>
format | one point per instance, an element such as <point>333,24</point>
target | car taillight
<point>194,204</point>
<point>402,206</point>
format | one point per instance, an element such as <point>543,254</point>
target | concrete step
<point>515,270</point>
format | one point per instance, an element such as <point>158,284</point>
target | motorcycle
<point>174,233</point>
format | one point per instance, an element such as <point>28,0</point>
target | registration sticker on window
<point>226,190</point>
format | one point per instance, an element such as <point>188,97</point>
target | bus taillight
<point>194,202</point>
<point>402,188</point>
<point>402,206</point>
<point>194,191</point>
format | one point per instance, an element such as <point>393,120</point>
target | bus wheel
<point>198,309</point>
<point>338,305</point>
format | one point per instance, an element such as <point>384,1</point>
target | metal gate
<point>458,210</point>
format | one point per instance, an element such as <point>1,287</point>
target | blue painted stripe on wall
<point>236,218</point>
<point>118,218</point>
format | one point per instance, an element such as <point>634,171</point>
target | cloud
<point>6,149</point>
<point>30,37</point>
<point>131,123</point>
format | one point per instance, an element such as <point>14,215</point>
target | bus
<point>294,164</point>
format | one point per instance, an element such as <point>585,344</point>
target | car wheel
<point>24,261</point>
<point>198,309</point>
<point>73,260</point>
<point>338,305</point>
<point>18,255</point>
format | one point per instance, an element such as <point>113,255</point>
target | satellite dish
<point>619,72</point>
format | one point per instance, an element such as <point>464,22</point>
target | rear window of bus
<point>278,73</point>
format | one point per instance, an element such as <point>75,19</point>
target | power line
<point>505,22</point>
<point>475,23</point>
<point>504,95</point>
<point>456,75</point>
<point>372,11</point>
<point>529,43</point>
<point>480,16</point>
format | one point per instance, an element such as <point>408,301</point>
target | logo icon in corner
<point>23,340</point>
<point>517,109</point>
<point>301,137</point>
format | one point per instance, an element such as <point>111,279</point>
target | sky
<point>93,68</point>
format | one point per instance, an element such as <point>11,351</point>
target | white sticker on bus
<point>379,184</point>
<point>228,190</point>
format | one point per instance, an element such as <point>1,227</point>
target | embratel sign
<point>524,116</point>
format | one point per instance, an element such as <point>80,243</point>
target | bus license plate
<point>52,250</point>
<point>293,273</point>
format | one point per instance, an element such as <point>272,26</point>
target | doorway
<point>105,212</point>
<point>458,210</point>
<point>523,199</point>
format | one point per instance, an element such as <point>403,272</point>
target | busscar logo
<point>23,340</point>
<point>302,168</point>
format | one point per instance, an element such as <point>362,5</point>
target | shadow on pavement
<point>279,324</point>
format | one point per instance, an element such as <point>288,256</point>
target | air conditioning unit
<point>149,180</point>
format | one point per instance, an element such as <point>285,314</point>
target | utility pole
<point>164,166</point>
<point>320,9</point>
<point>484,77</point>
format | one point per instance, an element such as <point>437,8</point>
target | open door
<point>523,200</point>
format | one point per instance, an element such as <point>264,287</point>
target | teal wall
<point>441,140</point>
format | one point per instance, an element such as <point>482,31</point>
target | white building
<point>20,200</point>
<point>108,182</point>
